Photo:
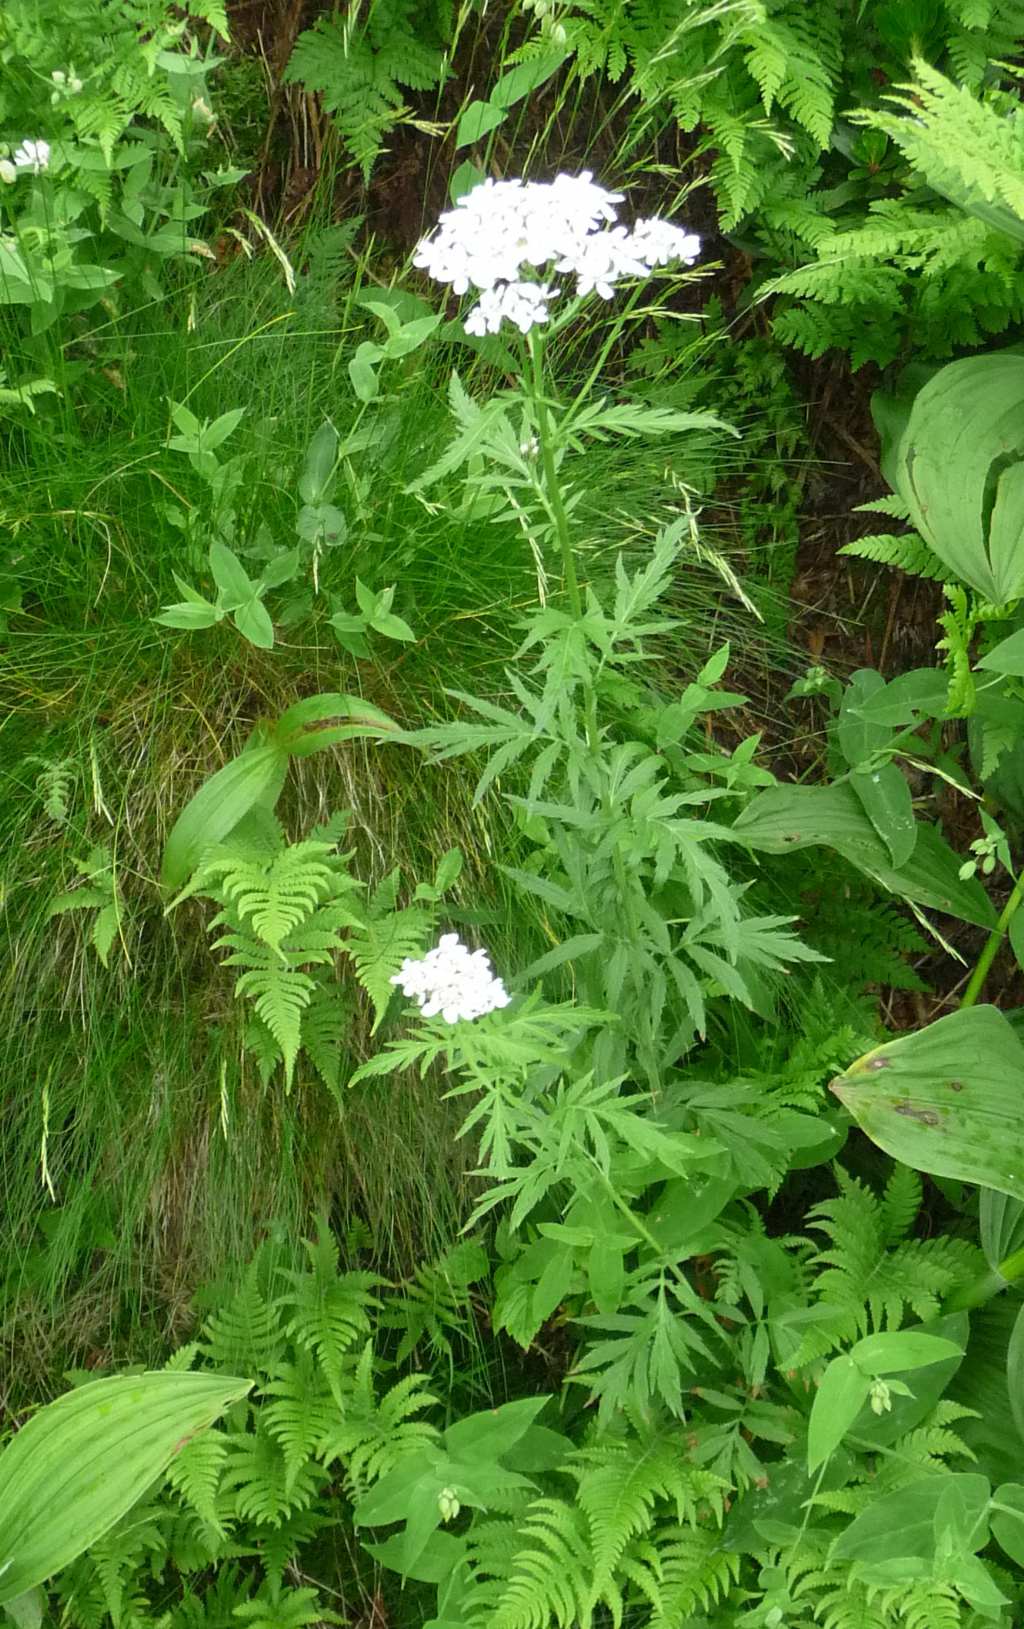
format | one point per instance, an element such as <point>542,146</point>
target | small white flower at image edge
<point>33,156</point>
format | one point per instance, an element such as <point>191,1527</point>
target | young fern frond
<point>373,1433</point>
<point>906,551</point>
<point>327,1311</point>
<point>246,1335</point>
<point>549,1584</point>
<point>382,941</point>
<point>262,1485</point>
<point>303,1411</point>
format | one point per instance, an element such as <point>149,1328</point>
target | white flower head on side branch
<point>33,156</point>
<point>452,981</point>
<point>510,240</point>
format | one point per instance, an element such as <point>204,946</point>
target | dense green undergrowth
<point>662,1266</point>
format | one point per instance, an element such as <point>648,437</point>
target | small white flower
<point>523,304</point>
<point>658,242</point>
<point>33,156</point>
<point>452,981</point>
<point>602,260</point>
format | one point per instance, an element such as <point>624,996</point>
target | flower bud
<point>881,1397</point>
<point>58,77</point>
<point>7,172</point>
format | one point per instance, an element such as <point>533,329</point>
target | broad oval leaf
<point>477,121</point>
<point>1001,1221</point>
<point>787,818</point>
<point>946,1100</point>
<point>902,1524</point>
<point>959,467</point>
<point>75,1468</point>
<point>838,1401</point>
<point>255,776</point>
<point>884,795</point>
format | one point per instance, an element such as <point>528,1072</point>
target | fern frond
<point>362,73</point>
<point>196,1471</point>
<point>695,1574</point>
<point>436,1300</point>
<point>244,1337</point>
<point>280,1545</point>
<point>383,940</point>
<point>327,1311</point>
<point>256,1475</point>
<point>280,994</point>
<point>280,1608</point>
<point>901,1203</point>
<point>548,1586</point>
<point>271,896</point>
<point>618,1488</point>
<point>906,551</point>
<point>301,1415</point>
<point>324,1026</point>
<point>374,1434</point>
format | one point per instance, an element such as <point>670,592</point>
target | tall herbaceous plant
<point>738,1425</point>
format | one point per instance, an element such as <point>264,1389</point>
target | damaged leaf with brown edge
<point>948,1100</point>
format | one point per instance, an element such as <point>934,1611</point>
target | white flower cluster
<point>521,303</point>
<point>64,84</point>
<point>33,156</point>
<point>566,226</point>
<point>453,981</point>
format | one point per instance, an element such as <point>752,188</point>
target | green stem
<point>556,507</point>
<point>560,520</point>
<point>992,944</point>
<point>980,1290</point>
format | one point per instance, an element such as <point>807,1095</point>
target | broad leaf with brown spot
<point>948,1100</point>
